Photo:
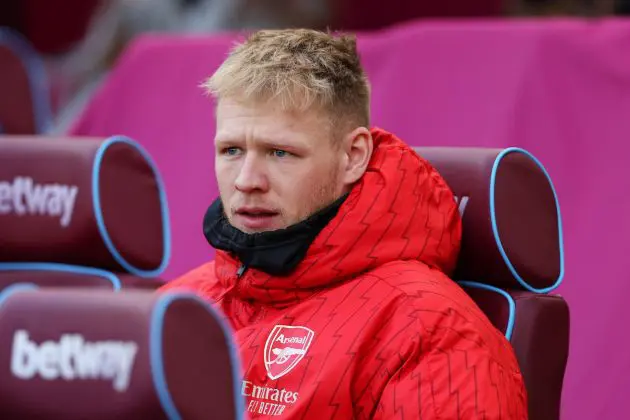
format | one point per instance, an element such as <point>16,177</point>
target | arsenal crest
<point>285,347</point>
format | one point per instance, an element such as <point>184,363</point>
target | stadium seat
<point>81,354</point>
<point>81,212</point>
<point>512,259</point>
<point>25,100</point>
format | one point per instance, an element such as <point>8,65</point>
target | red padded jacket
<point>369,325</point>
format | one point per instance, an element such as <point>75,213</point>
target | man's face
<point>274,168</point>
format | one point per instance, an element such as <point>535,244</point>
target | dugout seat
<point>91,354</point>
<point>512,259</point>
<point>81,212</point>
<point>25,106</point>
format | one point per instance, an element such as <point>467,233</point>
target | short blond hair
<point>302,69</point>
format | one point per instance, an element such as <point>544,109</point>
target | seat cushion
<point>79,354</point>
<point>91,202</point>
<point>538,328</point>
<point>512,230</point>
<point>63,275</point>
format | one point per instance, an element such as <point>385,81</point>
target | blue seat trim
<point>9,291</point>
<point>495,230</point>
<point>102,228</point>
<point>156,361</point>
<point>65,268</point>
<point>511,303</point>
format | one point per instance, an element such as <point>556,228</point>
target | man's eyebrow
<point>276,142</point>
<point>219,139</point>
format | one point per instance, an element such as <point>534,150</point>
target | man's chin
<point>253,225</point>
<point>251,231</point>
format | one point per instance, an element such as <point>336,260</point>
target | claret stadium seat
<point>81,212</point>
<point>71,354</point>
<point>512,258</point>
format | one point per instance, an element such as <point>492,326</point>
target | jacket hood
<point>400,210</point>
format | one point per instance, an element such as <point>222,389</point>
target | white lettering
<point>23,196</point>
<point>461,204</point>
<point>244,390</point>
<point>291,397</point>
<point>252,406</point>
<point>275,395</point>
<point>291,340</point>
<point>261,395</point>
<point>268,409</point>
<point>248,389</point>
<point>73,358</point>
<point>5,197</point>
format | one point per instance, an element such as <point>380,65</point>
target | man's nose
<point>251,176</point>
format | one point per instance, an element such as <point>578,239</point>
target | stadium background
<point>550,76</point>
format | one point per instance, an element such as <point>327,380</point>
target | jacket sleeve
<point>454,376</point>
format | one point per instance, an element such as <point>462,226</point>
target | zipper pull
<point>241,271</point>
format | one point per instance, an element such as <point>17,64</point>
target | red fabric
<point>391,336</point>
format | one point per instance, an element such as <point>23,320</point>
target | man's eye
<point>231,151</point>
<point>280,153</point>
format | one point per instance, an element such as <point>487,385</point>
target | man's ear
<point>358,148</point>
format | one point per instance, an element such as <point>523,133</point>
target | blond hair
<point>302,69</point>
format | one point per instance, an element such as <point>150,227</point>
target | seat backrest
<point>78,354</point>
<point>25,100</point>
<point>512,259</point>
<point>81,212</point>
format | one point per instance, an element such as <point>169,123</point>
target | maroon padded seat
<point>512,259</point>
<point>88,354</point>
<point>81,212</point>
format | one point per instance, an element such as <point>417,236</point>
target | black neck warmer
<point>276,252</point>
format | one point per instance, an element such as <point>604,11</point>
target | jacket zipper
<point>239,274</point>
<point>241,270</point>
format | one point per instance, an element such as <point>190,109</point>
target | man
<point>334,244</point>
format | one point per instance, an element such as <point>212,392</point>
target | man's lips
<point>255,217</point>
<point>256,211</point>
